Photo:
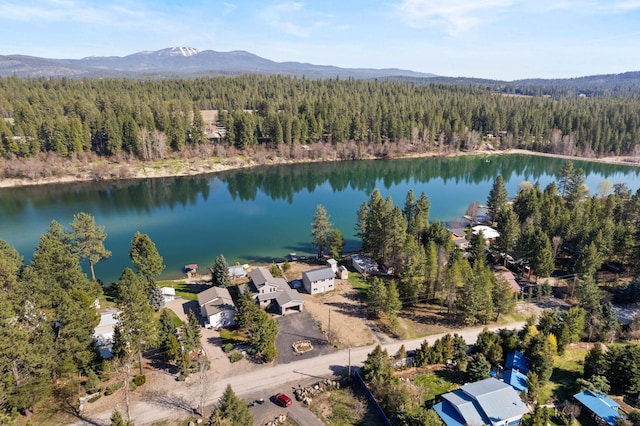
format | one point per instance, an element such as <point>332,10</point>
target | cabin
<point>319,280</point>
<point>343,272</point>
<point>216,307</point>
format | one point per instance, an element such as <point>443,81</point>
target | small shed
<point>237,271</point>
<point>169,293</point>
<point>343,272</point>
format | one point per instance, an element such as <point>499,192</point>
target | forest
<point>150,120</point>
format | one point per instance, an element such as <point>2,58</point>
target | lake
<point>262,214</point>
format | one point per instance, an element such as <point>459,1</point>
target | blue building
<point>600,407</point>
<point>487,402</point>
<point>517,360</point>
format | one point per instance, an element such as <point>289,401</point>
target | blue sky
<point>497,39</point>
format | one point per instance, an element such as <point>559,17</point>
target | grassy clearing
<point>566,369</point>
<point>358,282</point>
<point>233,336</point>
<point>434,384</point>
<point>176,320</point>
<point>183,289</point>
<point>341,407</point>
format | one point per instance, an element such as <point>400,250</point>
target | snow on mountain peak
<point>183,51</point>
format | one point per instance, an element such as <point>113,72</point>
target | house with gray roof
<point>217,307</point>
<point>319,280</point>
<point>274,291</point>
<point>487,402</point>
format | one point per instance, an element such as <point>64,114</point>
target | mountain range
<point>185,62</point>
<point>182,62</point>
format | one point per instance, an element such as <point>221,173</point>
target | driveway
<point>298,326</point>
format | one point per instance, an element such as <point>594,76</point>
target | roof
<point>215,296</point>
<point>600,405</point>
<point>487,232</point>
<point>237,271</point>
<point>508,275</point>
<point>285,296</point>
<point>517,380</point>
<point>319,274</point>
<point>332,262</point>
<point>487,402</point>
<point>517,360</point>
<point>168,291</point>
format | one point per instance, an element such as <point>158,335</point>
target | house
<point>501,271</point>
<point>216,307</point>
<point>487,402</point>
<point>318,280</point>
<point>343,272</point>
<point>269,291</point>
<point>602,409</point>
<point>333,264</point>
<point>364,264</point>
<point>103,333</point>
<point>517,360</point>
<point>169,293</point>
<point>488,233</point>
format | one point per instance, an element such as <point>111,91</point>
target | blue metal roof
<point>516,359</point>
<point>517,380</point>
<point>600,405</point>
<point>448,414</point>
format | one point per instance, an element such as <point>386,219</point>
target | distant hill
<point>181,62</point>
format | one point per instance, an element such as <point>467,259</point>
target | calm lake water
<point>263,214</point>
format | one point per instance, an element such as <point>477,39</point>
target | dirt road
<point>176,403</point>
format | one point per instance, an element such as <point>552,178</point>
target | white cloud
<point>454,16</point>
<point>292,18</point>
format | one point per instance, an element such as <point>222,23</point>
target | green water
<point>263,214</point>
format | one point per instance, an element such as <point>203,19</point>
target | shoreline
<point>195,166</point>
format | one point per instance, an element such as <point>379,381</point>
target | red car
<point>282,399</point>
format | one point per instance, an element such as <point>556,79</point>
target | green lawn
<point>358,282</point>
<point>182,289</point>
<point>434,384</point>
<point>233,336</point>
<point>566,369</point>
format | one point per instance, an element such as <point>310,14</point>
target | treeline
<point>151,119</point>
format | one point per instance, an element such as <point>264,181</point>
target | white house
<point>169,293</point>
<point>103,333</point>
<point>216,307</point>
<point>318,280</point>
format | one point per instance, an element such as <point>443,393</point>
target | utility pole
<point>349,361</point>
<point>329,334</point>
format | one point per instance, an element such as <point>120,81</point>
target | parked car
<point>282,399</point>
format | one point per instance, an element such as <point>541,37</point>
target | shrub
<point>95,398</point>
<point>140,380</point>
<point>111,389</point>
<point>236,356</point>
<point>227,347</point>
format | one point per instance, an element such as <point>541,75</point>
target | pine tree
<point>87,240</point>
<point>497,199</point>
<point>220,273</point>
<point>146,259</point>
<point>135,330</point>
<point>321,229</point>
<point>190,334</point>
<point>231,409</point>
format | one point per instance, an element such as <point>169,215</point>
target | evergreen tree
<point>190,333</point>
<point>87,240</point>
<point>156,298</point>
<point>232,410</point>
<point>135,327</point>
<point>478,368</point>
<point>220,273</point>
<point>321,230</point>
<point>498,197</point>
<point>508,226</point>
<point>246,309</point>
<point>263,331</point>
<point>377,296</point>
<point>146,259</point>
<point>336,244</point>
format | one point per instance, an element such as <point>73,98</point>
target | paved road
<point>259,380</point>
